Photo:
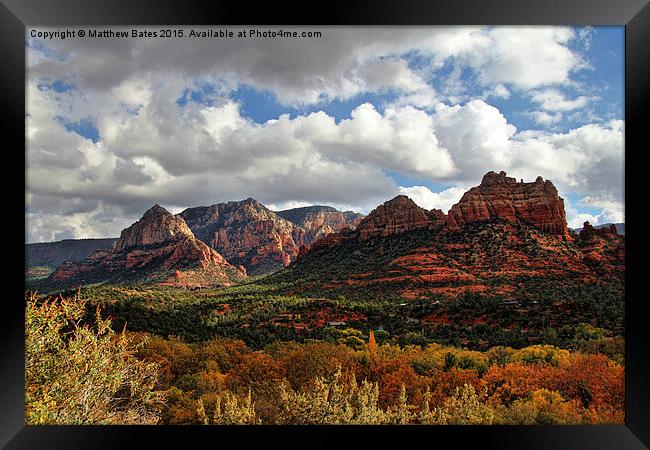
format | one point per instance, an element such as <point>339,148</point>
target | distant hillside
<point>297,215</point>
<point>620,227</point>
<point>157,249</point>
<point>43,257</point>
<point>319,221</point>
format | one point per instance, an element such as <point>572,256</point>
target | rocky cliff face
<point>319,221</point>
<point>603,249</point>
<point>396,216</point>
<point>246,233</point>
<point>500,196</point>
<point>588,231</point>
<point>156,225</point>
<point>158,248</point>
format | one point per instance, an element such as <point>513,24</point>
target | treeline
<point>543,315</point>
<point>323,383</point>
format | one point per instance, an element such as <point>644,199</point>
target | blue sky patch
<point>84,128</point>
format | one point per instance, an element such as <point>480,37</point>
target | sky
<point>349,119</point>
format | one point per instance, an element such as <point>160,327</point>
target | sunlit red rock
<point>246,233</point>
<point>156,225</point>
<point>397,215</point>
<point>160,248</point>
<point>500,196</point>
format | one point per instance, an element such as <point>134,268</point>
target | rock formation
<point>246,233</point>
<point>398,215</point>
<point>156,225</point>
<point>159,248</point>
<point>500,196</point>
<point>603,249</point>
<point>518,231</point>
<point>620,228</point>
<point>395,216</point>
<point>588,231</point>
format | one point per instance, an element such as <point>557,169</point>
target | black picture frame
<point>16,15</point>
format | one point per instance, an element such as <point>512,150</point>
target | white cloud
<point>587,160</point>
<point>427,199</point>
<point>611,212</point>
<point>344,62</point>
<point>477,136</point>
<point>498,91</point>
<point>544,118</point>
<point>586,35</point>
<point>104,221</point>
<point>577,220</point>
<point>151,150</point>
<point>201,154</point>
<point>527,57</point>
<point>287,205</point>
<point>554,100</point>
<point>612,209</point>
<point>605,202</point>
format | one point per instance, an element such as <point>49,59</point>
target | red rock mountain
<point>319,221</point>
<point>159,248</point>
<point>396,216</point>
<point>246,233</point>
<point>500,233</point>
<point>603,249</point>
<point>500,196</point>
<point>156,225</point>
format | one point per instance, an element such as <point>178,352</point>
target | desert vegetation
<point>81,371</point>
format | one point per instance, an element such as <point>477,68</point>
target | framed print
<point>395,221</point>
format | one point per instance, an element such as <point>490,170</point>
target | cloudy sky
<point>350,119</point>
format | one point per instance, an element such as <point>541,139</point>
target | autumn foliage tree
<point>81,374</point>
<point>86,373</point>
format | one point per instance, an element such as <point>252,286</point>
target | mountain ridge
<point>516,229</point>
<point>159,248</point>
<point>247,233</point>
<point>250,238</point>
<point>319,220</point>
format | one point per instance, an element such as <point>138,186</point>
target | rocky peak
<point>246,233</point>
<point>492,179</point>
<point>157,225</point>
<point>500,196</point>
<point>589,231</point>
<point>154,212</point>
<point>397,215</point>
